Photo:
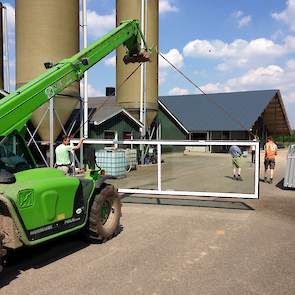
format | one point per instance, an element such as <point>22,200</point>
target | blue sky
<point>237,45</point>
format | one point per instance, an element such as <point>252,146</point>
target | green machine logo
<point>50,92</point>
<point>25,198</point>
<point>58,86</point>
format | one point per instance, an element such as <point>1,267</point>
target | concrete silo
<point>46,30</point>
<point>129,94</point>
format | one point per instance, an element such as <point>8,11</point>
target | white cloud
<point>238,48</point>
<point>178,91</point>
<point>288,15</point>
<point>244,21</point>
<point>162,77</point>
<point>212,87</point>
<point>237,14</point>
<point>174,56</point>
<point>167,6</point>
<point>92,92</point>
<point>269,77</point>
<point>99,25</point>
<point>111,61</point>
<point>239,53</point>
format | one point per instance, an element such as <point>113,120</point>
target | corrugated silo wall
<point>46,30</point>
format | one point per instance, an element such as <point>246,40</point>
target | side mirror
<point>6,177</point>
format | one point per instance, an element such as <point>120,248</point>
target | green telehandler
<point>41,204</point>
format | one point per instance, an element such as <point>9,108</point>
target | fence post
<point>159,155</point>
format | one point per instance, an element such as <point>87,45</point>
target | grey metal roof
<point>219,111</point>
<point>105,108</point>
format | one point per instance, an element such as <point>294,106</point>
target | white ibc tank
<point>131,158</point>
<point>112,161</point>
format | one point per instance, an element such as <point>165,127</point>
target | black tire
<point>105,214</point>
<point>2,251</point>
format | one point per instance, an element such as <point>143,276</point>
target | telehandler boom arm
<point>17,108</point>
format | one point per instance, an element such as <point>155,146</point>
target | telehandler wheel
<point>105,214</point>
<point>2,251</point>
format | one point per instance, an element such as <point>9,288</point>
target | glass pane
<point>124,162</point>
<point>207,169</point>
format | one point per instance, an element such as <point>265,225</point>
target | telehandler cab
<point>40,204</point>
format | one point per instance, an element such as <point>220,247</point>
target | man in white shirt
<point>62,153</point>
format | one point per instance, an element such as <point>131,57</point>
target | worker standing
<point>62,153</point>
<point>236,154</point>
<point>270,152</point>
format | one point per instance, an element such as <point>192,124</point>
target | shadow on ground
<point>280,185</point>
<point>229,177</point>
<point>126,198</point>
<point>39,256</point>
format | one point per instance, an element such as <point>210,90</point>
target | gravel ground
<point>185,247</point>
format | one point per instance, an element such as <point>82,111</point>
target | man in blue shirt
<point>236,154</point>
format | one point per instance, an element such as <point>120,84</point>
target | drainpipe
<point>85,80</point>
<point>5,75</point>
<point>142,110</point>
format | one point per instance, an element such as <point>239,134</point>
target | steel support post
<point>81,134</point>
<point>51,132</point>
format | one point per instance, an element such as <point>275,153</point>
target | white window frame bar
<point>159,143</point>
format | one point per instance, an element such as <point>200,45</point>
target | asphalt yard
<point>175,246</point>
